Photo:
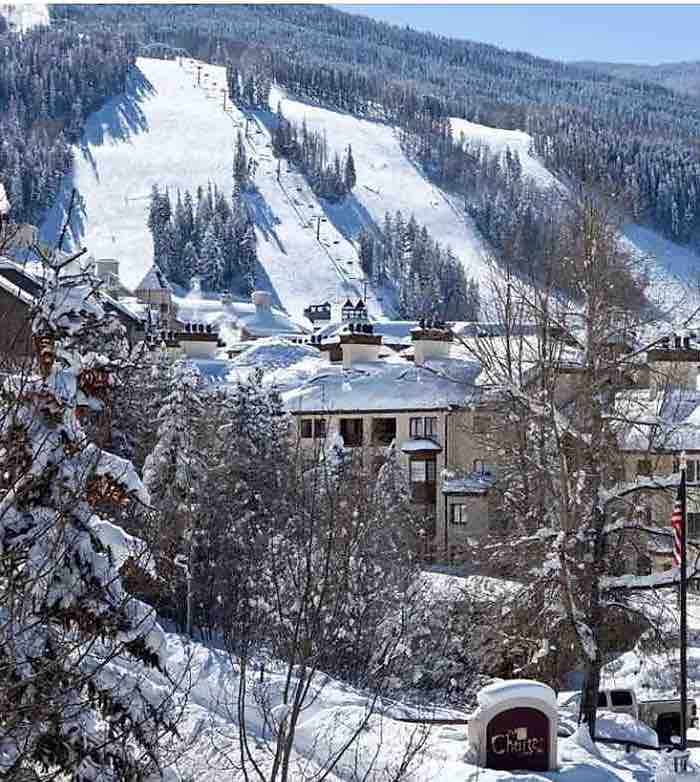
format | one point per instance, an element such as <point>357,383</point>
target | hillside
<point>681,77</point>
<point>146,136</point>
<point>388,182</point>
<point>165,130</point>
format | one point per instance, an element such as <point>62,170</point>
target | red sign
<point>518,739</point>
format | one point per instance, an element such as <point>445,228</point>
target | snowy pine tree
<point>66,708</point>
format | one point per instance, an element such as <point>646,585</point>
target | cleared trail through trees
<point>287,212</point>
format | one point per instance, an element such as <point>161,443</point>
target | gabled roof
<point>154,280</point>
<point>657,420</point>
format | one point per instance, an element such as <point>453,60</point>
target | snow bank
<point>504,691</point>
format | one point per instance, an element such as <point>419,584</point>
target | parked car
<point>664,715</point>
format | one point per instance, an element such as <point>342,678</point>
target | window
<point>422,470</point>
<point>601,701</point>
<point>310,427</point>
<point>458,514</point>
<point>693,520</point>
<point>643,565</point>
<point>692,469</point>
<point>620,698</point>
<point>383,431</point>
<point>424,427</point>
<point>643,467</point>
<point>351,432</point>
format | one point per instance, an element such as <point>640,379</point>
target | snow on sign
<point>515,726</point>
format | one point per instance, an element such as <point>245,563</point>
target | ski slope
<point>169,131</point>
<point>387,181</point>
<point>498,140</point>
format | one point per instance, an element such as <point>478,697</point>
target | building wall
<point>15,327</point>
<point>459,451</point>
<point>655,506</point>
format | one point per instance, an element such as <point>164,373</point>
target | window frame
<point>413,425</point>
<point>306,428</point>
<point>320,429</point>
<point>357,424</point>
<point>463,514</point>
<point>382,420</point>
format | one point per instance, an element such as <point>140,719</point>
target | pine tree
<point>350,177</point>
<point>171,473</point>
<point>64,612</point>
<point>240,163</point>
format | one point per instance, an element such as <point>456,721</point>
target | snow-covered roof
<point>393,331</point>
<point>474,483</point>
<point>154,280</point>
<point>665,420</point>
<point>388,384</point>
<point>273,353</point>
<point>420,445</point>
<point>265,322</point>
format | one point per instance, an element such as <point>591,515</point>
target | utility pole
<point>199,75</point>
<point>318,228</point>
<point>224,90</point>
<point>279,168</point>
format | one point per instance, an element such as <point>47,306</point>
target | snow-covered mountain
<point>168,130</point>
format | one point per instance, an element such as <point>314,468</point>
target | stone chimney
<point>673,362</point>
<point>359,344</point>
<point>432,339</point>
<point>262,301</point>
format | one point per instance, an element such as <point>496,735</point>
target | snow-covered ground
<point>211,733</point>
<point>23,16</point>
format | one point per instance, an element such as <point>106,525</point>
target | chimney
<point>262,301</point>
<point>359,344</point>
<point>432,339</point>
<point>673,366</point>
